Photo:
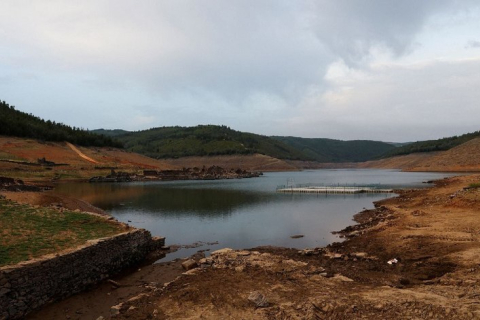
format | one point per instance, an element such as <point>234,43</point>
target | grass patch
<point>9,156</point>
<point>27,232</point>
<point>474,185</point>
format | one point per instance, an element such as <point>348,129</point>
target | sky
<point>354,69</point>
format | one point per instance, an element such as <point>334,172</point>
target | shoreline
<point>426,265</point>
<point>430,235</point>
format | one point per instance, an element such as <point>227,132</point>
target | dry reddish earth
<point>464,158</point>
<point>78,159</point>
<point>256,162</point>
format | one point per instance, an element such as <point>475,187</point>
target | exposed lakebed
<point>243,213</point>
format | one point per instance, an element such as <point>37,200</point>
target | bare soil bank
<point>433,233</point>
<point>19,158</point>
<point>464,158</point>
<point>256,162</point>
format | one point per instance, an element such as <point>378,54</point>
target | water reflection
<point>242,213</point>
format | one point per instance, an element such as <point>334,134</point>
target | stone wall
<point>28,285</point>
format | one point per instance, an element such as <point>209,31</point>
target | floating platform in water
<point>345,190</point>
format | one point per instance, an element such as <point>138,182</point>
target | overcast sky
<point>358,69</point>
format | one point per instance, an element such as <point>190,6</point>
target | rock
<point>258,299</point>
<point>327,308</point>
<point>191,272</point>
<point>100,318</point>
<point>4,291</point>
<point>239,268</point>
<point>222,251</point>
<point>189,264</point>
<point>342,278</point>
<point>337,256</point>
<point>360,255</point>
<point>114,283</point>
<point>115,310</point>
<point>307,252</point>
<point>243,253</point>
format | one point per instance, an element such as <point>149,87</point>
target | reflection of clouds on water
<point>243,213</point>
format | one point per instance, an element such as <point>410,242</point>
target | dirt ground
<point>432,233</point>
<point>255,162</point>
<point>18,159</point>
<point>46,199</point>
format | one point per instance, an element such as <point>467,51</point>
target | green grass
<point>474,185</point>
<point>27,232</point>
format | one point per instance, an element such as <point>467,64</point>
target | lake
<point>243,213</point>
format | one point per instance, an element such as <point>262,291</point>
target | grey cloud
<point>351,28</point>
<point>186,62</point>
<point>231,48</point>
<point>473,44</point>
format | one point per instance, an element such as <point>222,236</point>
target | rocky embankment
<point>10,184</point>
<point>211,173</point>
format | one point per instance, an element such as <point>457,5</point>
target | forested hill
<point>329,150</point>
<point>432,145</point>
<point>203,140</point>
<point>173,142</point>
<point>20,124</point>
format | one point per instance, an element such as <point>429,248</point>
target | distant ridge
<point>202,140</point>
<point>211,140</point>
<point>330,150</point>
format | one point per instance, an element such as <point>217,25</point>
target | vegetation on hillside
<point>20,124</point>
<point>110,133</point>
<point>432,145</point>
<point>329,150</point>
<point>208,140</point>
<point>203,140</point>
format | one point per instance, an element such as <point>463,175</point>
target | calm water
<point>243,213</point>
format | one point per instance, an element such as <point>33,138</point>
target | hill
<point>19,159</point>
<point>20,124</point>
<point>432,145</point>
<point>462,158</point>
<point>210,140</point>
<point>203,140</point>
<point>329,150</point>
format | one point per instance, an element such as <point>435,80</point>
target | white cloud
<point>411,101</point>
